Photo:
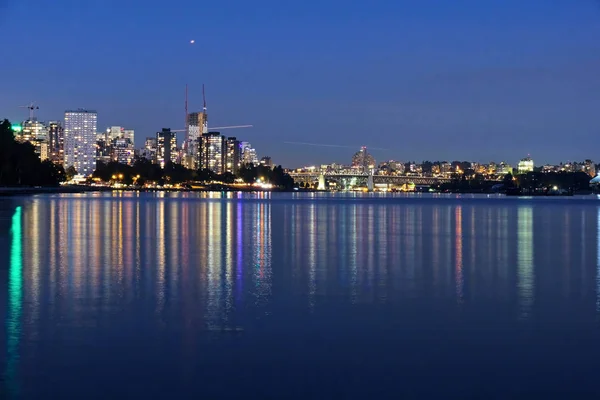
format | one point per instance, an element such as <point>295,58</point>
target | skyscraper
<point>56,141</point>
<point>195,124</point>
<point>212,152</point>
<point>166,147</point>
<point>233,155</point>
<point>248,154</point>
<point>123,151</point>
<point>149,150</point>
<point>363,160</point>
<point>80,140</point>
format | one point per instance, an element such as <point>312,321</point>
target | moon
<point>192,41</point>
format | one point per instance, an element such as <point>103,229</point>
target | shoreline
<point>22,191</point>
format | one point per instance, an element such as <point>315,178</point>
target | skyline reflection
<point>184,264</point>
<point>114,247</point>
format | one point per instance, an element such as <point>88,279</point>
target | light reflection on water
<point>167,275</point>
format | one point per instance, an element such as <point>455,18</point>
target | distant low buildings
<point>525,165</point>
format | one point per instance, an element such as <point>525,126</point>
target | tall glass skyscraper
<point>80,140</point>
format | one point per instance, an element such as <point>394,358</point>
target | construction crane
<point>205,128</point>
<point>217,127</point>
<point>32,107</point>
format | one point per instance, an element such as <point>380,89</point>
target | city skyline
<point>486,82</point>
<point>179,146</point>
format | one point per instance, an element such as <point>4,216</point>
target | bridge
<point>314,177</point>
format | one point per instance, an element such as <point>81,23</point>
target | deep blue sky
<point>427,79</point>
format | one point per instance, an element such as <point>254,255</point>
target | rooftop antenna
<point>187,129</point>
<point>205,121</point>
<point>31,108</point>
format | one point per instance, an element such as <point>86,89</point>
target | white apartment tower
<point>80,140</point>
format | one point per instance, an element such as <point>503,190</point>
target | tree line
<point>21,166</point>
<point>143,171</point>
<point>531,181</point>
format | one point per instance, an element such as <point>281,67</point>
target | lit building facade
<point>525,165</point>
<point>80,140</point>
<point>233,155</point>
<point>123,151</point>
<point>504,168</point>
<point>363,160</point>
<point>129,134</point>
<point>212,154</point>
<point>56,141</point>
<point>103,149</point>
<point>166,147</point>
<point>249,155</point>
<point>33,130</point>
<point>266,161</point>
<point>36,133</point>
<point>194,125</point>
<point>149,150</point>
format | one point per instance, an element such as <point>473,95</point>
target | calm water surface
<point>298,296</point>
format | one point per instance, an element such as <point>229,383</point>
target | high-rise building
<point>80,140</point>
<point>123,151</point>
<point>32,129</point>
<point>212,152</point>
<point>129,134</point>
<point>266,161</point>
<point>233,155</point>
<point>248,154</point>
<point>103,149</point>
<point>56,141</point>
<point>36,133</point>
<point>149,149</point>
<point>166,147</point>
<point>114,132</point>
<point>195,124</point>
<point>363,160</point>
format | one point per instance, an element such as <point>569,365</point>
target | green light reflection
<point>15,295</point>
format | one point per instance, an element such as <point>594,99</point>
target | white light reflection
<point>214,266</point>
<point>312,255</point>
<point>352,239</point>
<point>160,255</point>
<point>525,268</point>
<point>262,254</point>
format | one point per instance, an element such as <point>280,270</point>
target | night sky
<point>431,80</point>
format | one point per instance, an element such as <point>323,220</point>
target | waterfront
<point>283,295</point>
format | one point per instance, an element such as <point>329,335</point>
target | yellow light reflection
<point>458,269</point>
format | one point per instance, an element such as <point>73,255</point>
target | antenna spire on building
<point>205,121</point>
<point>187,129</point>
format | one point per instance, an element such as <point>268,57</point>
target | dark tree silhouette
<point>21,166</point>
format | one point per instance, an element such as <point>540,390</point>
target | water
<point>298,296</point>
